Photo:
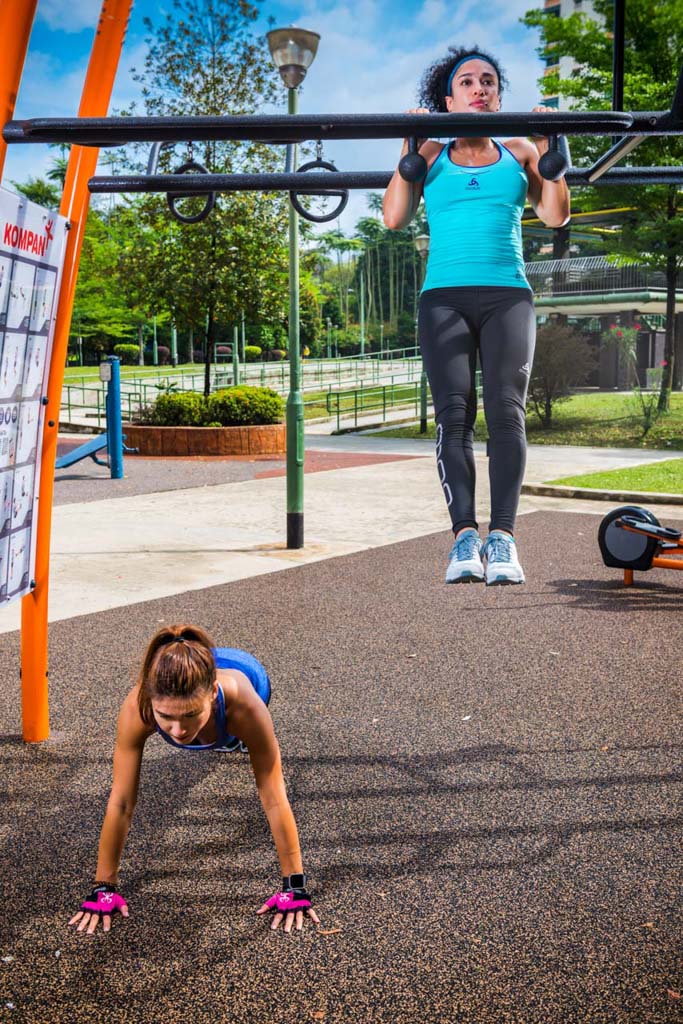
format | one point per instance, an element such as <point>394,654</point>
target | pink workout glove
<point>104,899</point>
<point>292,897</point>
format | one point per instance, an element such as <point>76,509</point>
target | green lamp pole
<point>293,50</point>
<point>155,348</point>
<point>362,315</point>
<point>422,246</point>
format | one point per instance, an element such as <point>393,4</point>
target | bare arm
<point>550,199</point>
<point>251,721</point>
<point>131,735</point>
<point>402,198</point>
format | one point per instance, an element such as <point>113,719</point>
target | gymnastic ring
<point>343,194</point>
<point>172,197</point>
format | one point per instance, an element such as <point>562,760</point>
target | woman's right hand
<point>102,902</point>
<point>419,110</point>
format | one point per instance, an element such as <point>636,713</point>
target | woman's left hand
<point>541,141</point>
<point>289,906</point>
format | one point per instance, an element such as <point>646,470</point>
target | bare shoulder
<point>522,149</point>
<point>131,730</point>
<point>430,150</point>
<point>236,686</point>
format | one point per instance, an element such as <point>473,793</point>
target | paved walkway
<point>179,525</point>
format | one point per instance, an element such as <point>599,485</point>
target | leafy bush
<point>197,356</point>
<point>163,354</point>
<point>243,406</point>
<point>128,354</point>
<point>231,407</point>
<point>563,359</point>
<point>252,353</point>
<point>277,354</point>
<point>177,409</point>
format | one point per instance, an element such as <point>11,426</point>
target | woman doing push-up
<point>476,300</point>
<point>198,698</point>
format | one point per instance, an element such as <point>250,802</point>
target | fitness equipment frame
<point>631,538</point>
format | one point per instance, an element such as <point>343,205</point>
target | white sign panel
<point>32,242</point>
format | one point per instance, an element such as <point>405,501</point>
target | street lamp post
<point>329,331</point>
<point>155,347</point>
<point>293,50</point>
<point>422,246</point>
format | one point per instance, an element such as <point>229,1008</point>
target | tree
<point>203,59</point>
<point>39,191</point>
<point>562,360</point>
<point>653,233</point>
<point>102,308</point>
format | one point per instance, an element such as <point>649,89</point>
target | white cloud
<point>433,13</point>
<point>69,15</point>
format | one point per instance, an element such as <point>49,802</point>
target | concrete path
<point>174,538</point>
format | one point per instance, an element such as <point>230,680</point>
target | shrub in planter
<point>224,350</point>
<point>277,354</point>
<point>244,406</point>
<point>252,353</point>
<point>128,354</point>
<point>178,409</point>
<point>164,354</point>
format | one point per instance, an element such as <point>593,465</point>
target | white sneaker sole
<point>504,581</point>
<point>466,577</point>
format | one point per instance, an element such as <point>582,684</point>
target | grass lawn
<point>658,477</point>
<point>596,419</point>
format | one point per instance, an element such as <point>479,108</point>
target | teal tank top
<point>475,227</point>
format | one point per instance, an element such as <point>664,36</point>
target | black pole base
<point>423,426</point>
<point>295,530</point>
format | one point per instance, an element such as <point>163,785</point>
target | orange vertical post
<point>16,20</point>
<point>97,89</point>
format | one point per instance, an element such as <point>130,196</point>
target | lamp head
<point>293,51</point>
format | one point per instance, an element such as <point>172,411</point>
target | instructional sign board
<point>32,242</point>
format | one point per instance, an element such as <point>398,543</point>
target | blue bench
<point>90,448</point>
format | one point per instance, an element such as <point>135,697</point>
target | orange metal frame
<point>659,561</point>
<point>16,21</point>
<point>16,18</point>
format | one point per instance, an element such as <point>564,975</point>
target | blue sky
<point>371,56</point>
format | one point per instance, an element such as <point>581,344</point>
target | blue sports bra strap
<point>222,734</point>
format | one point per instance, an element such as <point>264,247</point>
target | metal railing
<point>355,403</point>
<point>359,402</point>
<point>591,275</point>
<point>84,397</point>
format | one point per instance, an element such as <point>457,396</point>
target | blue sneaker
<point>464,561</point>
<point>502,564</point>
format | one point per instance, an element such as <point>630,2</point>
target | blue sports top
<point>228,657</point>
<point>475,216</point>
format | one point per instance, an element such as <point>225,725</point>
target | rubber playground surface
<point>486,783</point>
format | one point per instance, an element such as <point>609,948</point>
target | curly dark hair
<point>434,83</point>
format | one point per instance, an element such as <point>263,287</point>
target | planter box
<point>258,440</point>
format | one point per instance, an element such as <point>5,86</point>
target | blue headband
<point>464,60</point>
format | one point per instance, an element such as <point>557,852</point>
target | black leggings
<point>501,324</point>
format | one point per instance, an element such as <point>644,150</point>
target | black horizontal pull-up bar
<point>317,183</point>
<point>286,128</point>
